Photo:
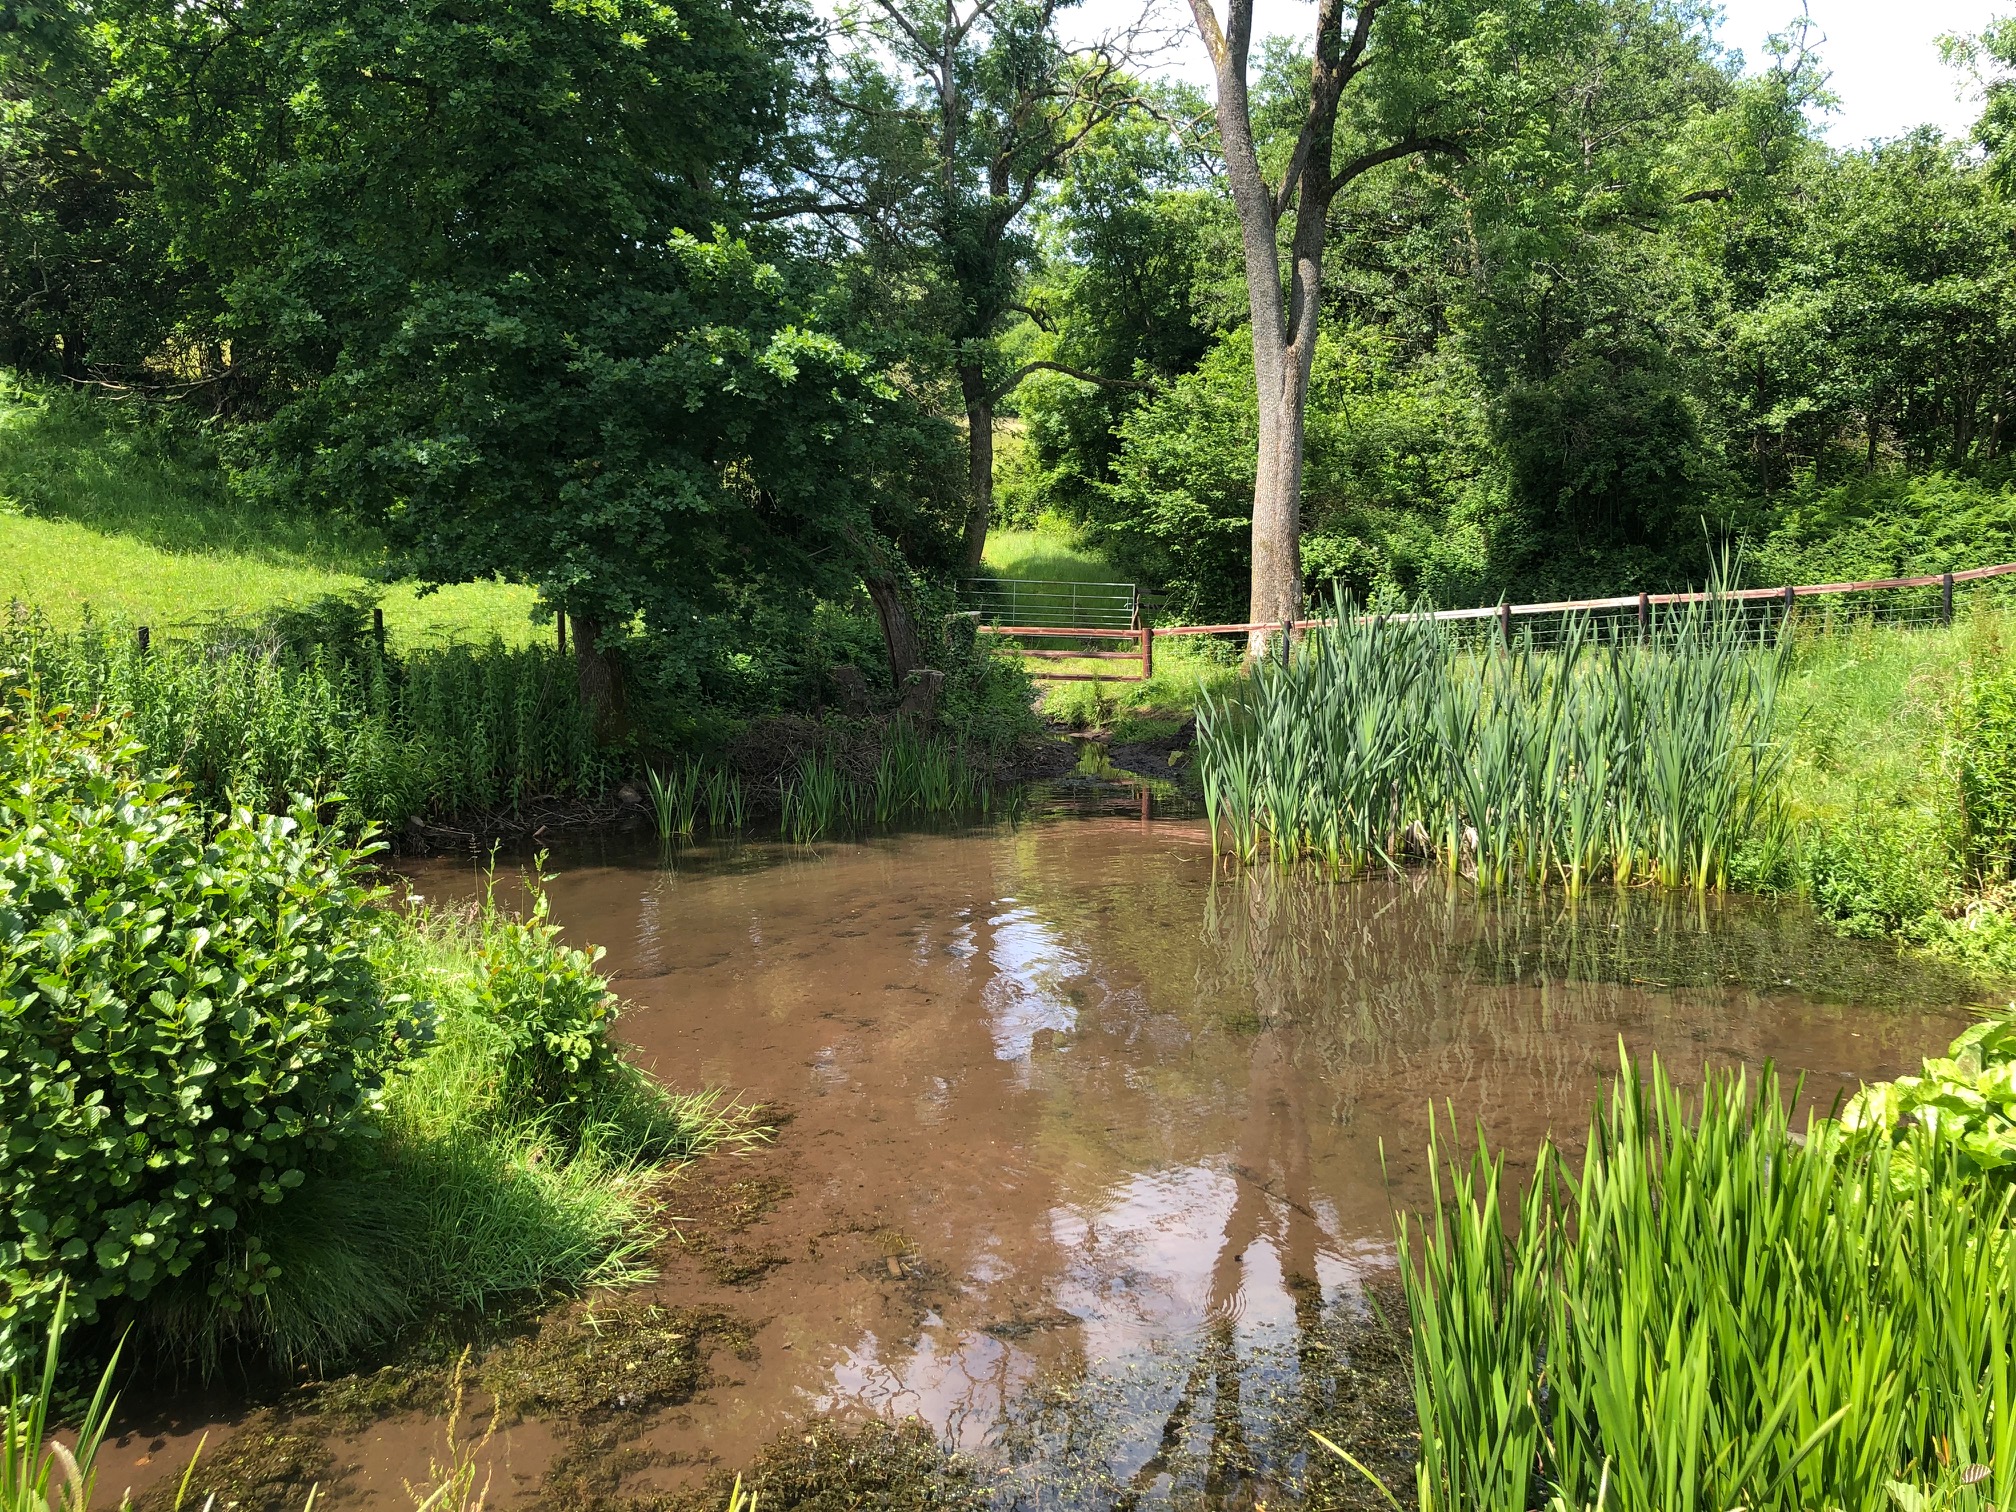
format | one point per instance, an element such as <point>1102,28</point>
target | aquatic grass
<point>915,776</point>
<point>1711,1312</point>
<point>1600,756</point>
<point>38,1471</point>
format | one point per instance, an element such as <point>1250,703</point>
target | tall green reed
<point>915,776</point>
<point>1600,756</point>
<point>1713,1312</point>
<point>260,716</point>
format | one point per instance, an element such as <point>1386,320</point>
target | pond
<point>1086,1155</point>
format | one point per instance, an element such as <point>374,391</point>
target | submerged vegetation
<point>1601,757</point>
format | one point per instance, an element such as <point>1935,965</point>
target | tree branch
<point>1003,390</point>
<point>1405,147</point>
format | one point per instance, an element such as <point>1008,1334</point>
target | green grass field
<point>103,515</point>
<point>1045,553</point>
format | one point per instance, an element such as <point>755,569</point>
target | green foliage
<point>552,1012</point>
<point>1713,1312</point>
<point>1891,525</point>
<point>1965,1101</point>
<point>247,716</point>
<point>187,1019</point>
<point>1881,871</point>
<point>513,1151</point>
<point>1396,475</point>
<point>1617,758</point>
<point>1984,730</point>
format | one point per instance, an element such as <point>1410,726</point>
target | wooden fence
<point>1142,636</point>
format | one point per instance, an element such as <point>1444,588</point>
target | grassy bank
<point>1901,771</point>
<point>111,511</point>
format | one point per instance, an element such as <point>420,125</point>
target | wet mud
<point>1085,1162</point>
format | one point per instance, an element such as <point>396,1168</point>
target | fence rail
<point>1622,610</point>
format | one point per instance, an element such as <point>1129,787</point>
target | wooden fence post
<point>1788,601</point>
<point>1946,598</point>
<point>1505,624</point>
<point>378,628</point>
<point>146,640</point>
<point>1644,615</point>
<point>1147,651</point>
<point>1287,634</point>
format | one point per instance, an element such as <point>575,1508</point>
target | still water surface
<point>1086,1157</point>
<point>1064,1110</point>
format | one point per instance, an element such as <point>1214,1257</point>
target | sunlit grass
<point>103,513</point>
<point>1051,553</point>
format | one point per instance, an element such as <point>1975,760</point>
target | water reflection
<point>1094,1151</point>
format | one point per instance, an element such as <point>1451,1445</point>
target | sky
<point>1883,54</point>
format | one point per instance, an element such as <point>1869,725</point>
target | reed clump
<point>1715,1311</point>
<point>914,777</point>
<point>257,715</point>
<point>1602,755</point>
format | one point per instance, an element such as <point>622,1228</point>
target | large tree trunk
<point>596,676</point>
<point>899,630</point>
<point>979,461</point>
<point>1284,327</point>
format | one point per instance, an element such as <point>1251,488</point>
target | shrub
<point>551,1011</point>
<point>187,1014</point>
<point>1966,1099</point>
<point>1881,871</point>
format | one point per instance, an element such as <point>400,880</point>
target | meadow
<point>114,513</point>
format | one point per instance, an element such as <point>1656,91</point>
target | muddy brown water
<point>1085,1153</point>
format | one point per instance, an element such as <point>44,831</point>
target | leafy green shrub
<point>187,1014</point>
<point>1881,872</point>
<point>552,1010</point>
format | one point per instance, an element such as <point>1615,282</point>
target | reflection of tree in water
<point>1366,998</point>
<point>1224,1427</point>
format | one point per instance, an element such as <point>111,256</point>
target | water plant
<point>1601,755</point>
<point>38,1471</point>
<point>1713,1312</point>
<point>674,799</point>
<point>309,703</point>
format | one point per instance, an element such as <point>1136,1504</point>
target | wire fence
<point>1054,603</point>
<point>1824,608</point>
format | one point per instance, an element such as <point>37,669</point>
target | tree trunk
<point>979,461</point>
<point>1284,325</point>
<point>595,673</point>
<point>899,630</point>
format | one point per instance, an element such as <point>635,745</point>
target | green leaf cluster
<point>187,1014</point>
<point>1966,1099</point>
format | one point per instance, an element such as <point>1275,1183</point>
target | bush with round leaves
<point>187,1015</point>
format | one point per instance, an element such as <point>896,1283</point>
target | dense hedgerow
<point>187,1015</point>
